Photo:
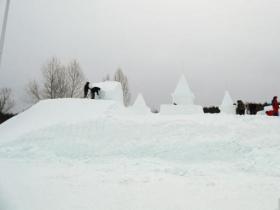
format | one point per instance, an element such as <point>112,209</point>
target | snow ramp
<point>55,112</point>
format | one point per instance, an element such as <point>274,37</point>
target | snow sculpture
<point>140,106</point>
<point>227,104</point>
<point>183,100</point>
<point>183,94</point>
<point>110,90</point>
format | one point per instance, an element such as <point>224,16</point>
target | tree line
<point>67,81</point>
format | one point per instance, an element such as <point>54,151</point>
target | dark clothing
<point>252,109</point>
<point>240,109</point>
<point>93,91</point>
<point>86,89</point>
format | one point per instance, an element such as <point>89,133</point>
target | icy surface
<point>183,94</point>
<point>93,154</point>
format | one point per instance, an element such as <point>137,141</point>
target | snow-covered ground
<point>74,154</point>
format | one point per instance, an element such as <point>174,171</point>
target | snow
<point>140,106</point>
<point>54,112</point>
<point>227,104</point>
<point>183,94</point>
<point>110,90</point>
<point>266,108</point>
<point>170,109</point>
<point>71,154</point>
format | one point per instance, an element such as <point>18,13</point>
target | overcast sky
<point>217,44</point>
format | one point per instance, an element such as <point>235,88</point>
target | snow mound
<point>110,90</point>
<point>183,94</point>
<point>140,106</point>
<point>227,104</point>
<point>53,112</point>
<point>92,148</point>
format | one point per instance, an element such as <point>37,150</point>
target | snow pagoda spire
<point>140,101</point>
<point>227,101</point>
<point>227,104</point>
<point>183,94</point>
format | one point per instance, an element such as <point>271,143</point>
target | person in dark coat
<point>252,108</point>
<point>86,89</point>
<point>275,106</point>
<point>240,109</point>
<point>93,91</point>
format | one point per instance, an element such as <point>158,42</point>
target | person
<point>275,107</point>
<point>93,91</point>
<point>252,108</point>
<point>240,109</point>
<point>86,89</point>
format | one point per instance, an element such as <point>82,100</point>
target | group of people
<point>253,108</point>
<point>93,90</point>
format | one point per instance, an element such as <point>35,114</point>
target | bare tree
<point>6,101</point>
<point>34,91</point>
<point>58,81</point>
<point>55,83</point>
<point>120,77</point>
<point>75,79</point>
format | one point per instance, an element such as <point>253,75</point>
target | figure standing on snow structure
<point>93,91</point>
<point>275,106</point>
<point>86,89</point>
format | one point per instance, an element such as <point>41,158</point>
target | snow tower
<point>182,100</point>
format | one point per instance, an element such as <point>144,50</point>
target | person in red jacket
<point>275,106</point>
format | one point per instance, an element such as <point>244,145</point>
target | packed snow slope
<point>95,154</point>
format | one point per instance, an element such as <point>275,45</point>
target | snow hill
<point>95,154</point>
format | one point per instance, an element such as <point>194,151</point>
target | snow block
<point>169,109</point>
<point>110,90</point>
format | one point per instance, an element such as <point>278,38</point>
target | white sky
<point>218,44</point>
